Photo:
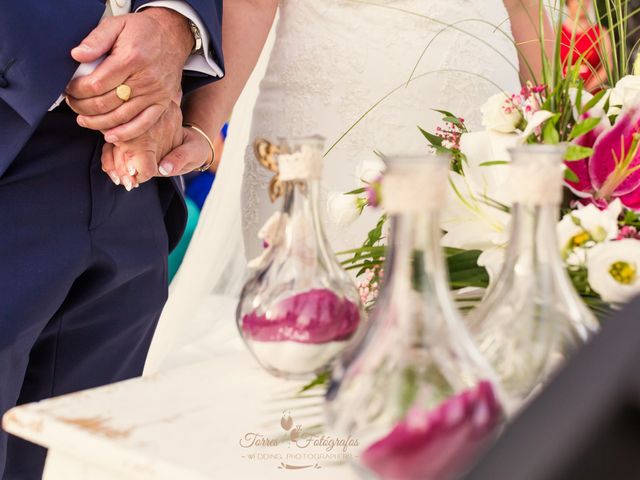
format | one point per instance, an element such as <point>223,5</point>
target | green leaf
<point>434,140</point>
<point>494,162</point>
<point>592,103</point>
<point>364,266</point>
<point>453,120</point>
<point>378,249</point>
<point>449,251</point>
<point>571,176</point>
<point>464,270</point>
<point>357,191</point>
<point>577,152</point>
<point>580,89</point>
<point>550,134</point>
<point>630,218</point>
<point>444,112</point>
<point>321,380</point>
<point>584,127</point>
<point>441,150</point>
<point>374,236</point>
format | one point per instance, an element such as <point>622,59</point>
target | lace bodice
<point>333,60</point>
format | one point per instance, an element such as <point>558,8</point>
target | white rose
<point>595,226</point>
<point>613,270</point>
<point>369,169</point>
<point>342,209</point>
<point>626,93</point>
<point>499,114</point>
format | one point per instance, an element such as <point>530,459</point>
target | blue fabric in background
<point>198,187</point>
<point>176,257</point>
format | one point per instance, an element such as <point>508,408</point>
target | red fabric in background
<point>585,43</point>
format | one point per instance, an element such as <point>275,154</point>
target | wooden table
<point>196,422</point>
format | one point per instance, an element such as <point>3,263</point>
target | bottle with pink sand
<point>299,309</point>
<point>417,395</point>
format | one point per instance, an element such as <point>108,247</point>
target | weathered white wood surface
<point>184,424</point>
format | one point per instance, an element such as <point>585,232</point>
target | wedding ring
<point>207,165</point>
<point>123,92</point>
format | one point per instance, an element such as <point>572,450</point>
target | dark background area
<point>586,424</point>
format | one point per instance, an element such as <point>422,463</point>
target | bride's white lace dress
<point>331,62</point>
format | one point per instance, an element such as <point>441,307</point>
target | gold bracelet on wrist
<point>207,165</point>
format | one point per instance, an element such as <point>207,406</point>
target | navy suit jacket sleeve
<point>36,38</point>
<point>210,12</point>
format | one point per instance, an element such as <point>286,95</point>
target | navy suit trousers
<point>83,267</point>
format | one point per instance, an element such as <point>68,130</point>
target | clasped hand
<point>146,51</point>
<point>180,150</point>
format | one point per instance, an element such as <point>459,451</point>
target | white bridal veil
<point>205,290</point>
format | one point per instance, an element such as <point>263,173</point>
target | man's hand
<point>145,50</point>
<point>134,162</point>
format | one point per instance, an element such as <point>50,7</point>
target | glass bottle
<point>532,318</point>
<point>299,309</point>
<point>415,392</point>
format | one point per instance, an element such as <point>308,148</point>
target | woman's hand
<point>134,162</point>
<point>191,154</point>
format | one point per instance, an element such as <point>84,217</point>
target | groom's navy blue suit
<point>82,262</point>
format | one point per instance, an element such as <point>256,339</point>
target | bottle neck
<point>299,197</point>
<point>416,262</point>
<point>301,202</point>
<point>533,238</point>
<point>304,235</point>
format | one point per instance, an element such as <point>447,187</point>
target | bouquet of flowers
<point>599,227</point>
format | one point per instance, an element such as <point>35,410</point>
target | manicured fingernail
<point>81,121</point>
<point>128,184</point>
<point>83,47</point>
<point>132,170</point>
<point>136,185</point>
<point>114,178</point>
<point>110,138</point>
<point>165,169</point>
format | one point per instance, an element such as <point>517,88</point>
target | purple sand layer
<point>437,444</point>
<point>316,316</point>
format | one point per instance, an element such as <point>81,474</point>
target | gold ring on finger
<point>123,92</point>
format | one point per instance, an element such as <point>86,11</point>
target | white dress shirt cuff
<point>200,62</point>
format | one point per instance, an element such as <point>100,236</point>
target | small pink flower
<point>372,192</point>
<point>628,231</point>
<point>369,287</point>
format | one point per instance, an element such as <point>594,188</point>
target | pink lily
<point>613,171</point>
